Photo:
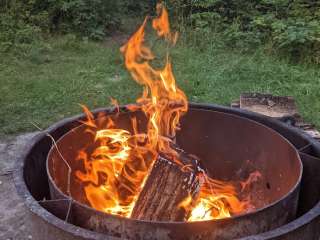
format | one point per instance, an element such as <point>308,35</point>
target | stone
<point>12,210</point>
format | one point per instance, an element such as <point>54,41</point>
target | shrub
<point>90,18</point>
<point>94,19</point>
<point>290,27</point>
<point>16,33</point>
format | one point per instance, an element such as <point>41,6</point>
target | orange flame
<point>162,101</point>
<point>216,200</point>
<point>115,171</point>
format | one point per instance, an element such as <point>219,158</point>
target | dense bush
<point>289,26</point>
<point>26,21</point>
<point>91,18</point>
<point>14,32</point>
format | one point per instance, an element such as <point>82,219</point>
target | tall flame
<point>115,171</point>
<point>162,101</point>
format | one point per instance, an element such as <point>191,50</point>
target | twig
<point>66,163</point>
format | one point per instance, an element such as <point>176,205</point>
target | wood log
<point>269,105</point>
<point>280,107</point>
<point>167,187</point>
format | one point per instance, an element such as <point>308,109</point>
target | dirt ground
<point>12,211</point>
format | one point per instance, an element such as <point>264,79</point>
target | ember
<point>116,170</point>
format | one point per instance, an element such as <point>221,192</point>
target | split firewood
<point>282,108</point>
<point>269,105</point>
<point>170,190</point>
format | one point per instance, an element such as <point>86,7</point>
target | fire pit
<point>49,215</point>
<point>230,147</point>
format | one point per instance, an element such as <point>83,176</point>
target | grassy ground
<point>47,84</point>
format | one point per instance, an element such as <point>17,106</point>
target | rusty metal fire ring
<point>246,141</point>
<point>305,145</point>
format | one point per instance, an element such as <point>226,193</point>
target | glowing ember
<point>115,171</point>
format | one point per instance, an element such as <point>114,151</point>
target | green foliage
<point>16,33</point>
<point>25,22</point>
<point>298,37</point>
<point>91,18</point>
<point>291,27</point>
<point>287,27</point>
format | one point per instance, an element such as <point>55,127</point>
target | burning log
<point>170,190</point>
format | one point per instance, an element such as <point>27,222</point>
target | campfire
<point>144,174</point>
<point>163,168</point>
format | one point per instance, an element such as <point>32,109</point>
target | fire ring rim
<point>123,109</point>
<point>35,208</point>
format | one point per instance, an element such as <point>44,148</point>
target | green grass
<point>47,84</point>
